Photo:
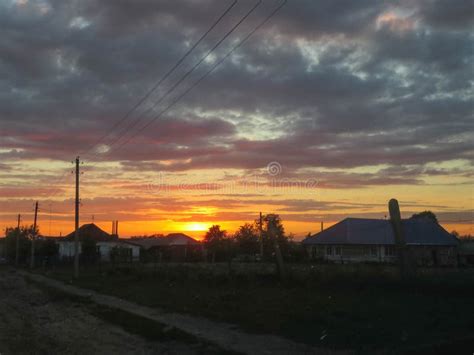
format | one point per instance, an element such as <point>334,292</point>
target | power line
<point>168,73</point>
<point>134,123</point>
<point>76,220</point>
<point>238,45</point>
<point>147,95</point>
<point>56,190</point>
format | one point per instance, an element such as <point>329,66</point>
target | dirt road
<point>33,322</point>
<point>223,335</point>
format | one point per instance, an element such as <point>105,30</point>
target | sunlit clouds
<point>353,102</point>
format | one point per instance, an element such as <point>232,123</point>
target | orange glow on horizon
<point>143,210</point>
<point>197,227</point>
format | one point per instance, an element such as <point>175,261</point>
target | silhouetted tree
<point>273,229</point>
<point>46,250</point>
<point>215,241</point>
<point>247,239</point>
<point>296,252</point>
<point>425,215</point>
<point>466,238</point>
<point>23,234</point>
<point>275,234</point>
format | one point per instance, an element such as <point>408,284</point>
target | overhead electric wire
<point>177,99</point>
<point>134,123</point>
<point>238,45</point>
<point>58,181</point>
<point>147,95</point>
<point>167,74</point>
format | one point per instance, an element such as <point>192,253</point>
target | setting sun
<point>197,227</point>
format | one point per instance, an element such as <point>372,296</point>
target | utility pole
<point>49,233</point>
<point>260,226</point>
<point>400,241</point>
<point>17,248</point>
<point>76,233</point>
<point>33,237</point>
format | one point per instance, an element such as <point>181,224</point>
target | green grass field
<point>363,308</point>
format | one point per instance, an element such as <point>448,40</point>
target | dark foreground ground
<point>34,320</point>
<point>362,308</point>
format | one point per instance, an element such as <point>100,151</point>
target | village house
<point>373,240</point>
<point>108,246</point>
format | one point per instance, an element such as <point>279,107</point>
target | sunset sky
<point>327,111</point>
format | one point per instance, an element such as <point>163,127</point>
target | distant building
<point>373,240</point>
<point>108,246</point>
<point>174,246</point>
<point>92,231</point>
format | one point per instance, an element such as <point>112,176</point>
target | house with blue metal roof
<point>373,240</point>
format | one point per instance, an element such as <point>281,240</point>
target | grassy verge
<point>364,308</point>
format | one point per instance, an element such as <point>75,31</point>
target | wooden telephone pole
<point>400,241</point>
<point>17,247</point>
<point>260,227</point>
<point>76,233</point>
<point>33,237</point>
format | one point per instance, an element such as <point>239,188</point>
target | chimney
<point>116,228</point>
<point>113,227</point>
<point>322,226</point>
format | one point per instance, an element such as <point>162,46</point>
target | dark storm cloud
<point>324,84</point>
<point>450,14</point>
<point>313,18</point>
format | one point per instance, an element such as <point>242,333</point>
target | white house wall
<point>66,249</point>
<point>106,247</point>
<point>353,253</point>
<point>421,254</point>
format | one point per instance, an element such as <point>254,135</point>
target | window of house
<point>389,250</point>
<point>373,251</point>
<point>329,250</point>
<point>338,250</point>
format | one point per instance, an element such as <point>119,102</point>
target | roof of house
<point>50,237</point>
<point>380,231</point>
<point>181,239</point>
<point>169,240</point>
<point>92,231</point>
